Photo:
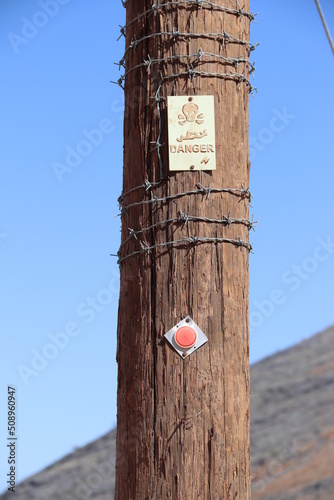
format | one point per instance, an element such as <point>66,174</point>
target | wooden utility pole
<point>183,424</point>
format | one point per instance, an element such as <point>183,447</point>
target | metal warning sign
<point>191,133</point>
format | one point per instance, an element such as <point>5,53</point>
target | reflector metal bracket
<point>201,337</point>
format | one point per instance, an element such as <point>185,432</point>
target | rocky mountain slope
<point>292,435</point>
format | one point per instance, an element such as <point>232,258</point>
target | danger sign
<point>191,133</point>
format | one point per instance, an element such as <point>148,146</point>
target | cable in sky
<point>325,25</point>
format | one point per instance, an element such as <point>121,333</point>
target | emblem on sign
<point>191,133</point>
<point>189,114</point>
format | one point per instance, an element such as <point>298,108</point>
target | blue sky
<point>59,285</point>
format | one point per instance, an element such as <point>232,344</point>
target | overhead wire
<point>325,25</point>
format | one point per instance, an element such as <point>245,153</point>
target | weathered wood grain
<point>183,425</point>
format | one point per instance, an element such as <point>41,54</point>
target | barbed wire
<point>191,72</point>
<point>185,3</point>
<point>146,185</point>
<point>204,190</point>
<point>195,240</point>
<point>222,37</point>
<point>158,144</point>
<point>184,219</point>
<point>198,56</point>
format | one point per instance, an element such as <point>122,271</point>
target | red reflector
<point>185,337</point>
